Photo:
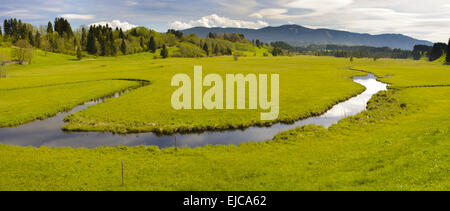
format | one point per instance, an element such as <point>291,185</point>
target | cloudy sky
<point>429,20</point>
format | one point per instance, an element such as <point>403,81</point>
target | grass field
<point>19,106</point>
<point>406,73</point>
<point>400,143</point>
<point>148,108</point>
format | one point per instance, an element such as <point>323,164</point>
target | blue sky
<point>428,20</point>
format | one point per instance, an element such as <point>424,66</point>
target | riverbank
<point>49,133</point>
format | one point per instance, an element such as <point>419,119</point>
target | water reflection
<point>48,132</point>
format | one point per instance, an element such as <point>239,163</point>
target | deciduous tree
<point>79,54</point>
<point>22,52</point>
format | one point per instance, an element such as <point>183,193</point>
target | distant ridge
<point>301,36</point>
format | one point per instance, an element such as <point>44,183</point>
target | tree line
<point>283,48</point>
<point>102,40</point>
<point>432,53</point>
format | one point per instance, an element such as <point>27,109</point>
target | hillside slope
<point>299,36</point>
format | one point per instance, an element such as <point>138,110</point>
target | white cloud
<point>20,13</point>
<point>115,23</point>
<point>271,13</point>
<point>78,16</point>
<point>131,3</point>
<point>14,12</point>
<point>256,15</point>
<point>218,21</point>
<point>49,9</point>
<point>319,7</point>
<point>180,25</point>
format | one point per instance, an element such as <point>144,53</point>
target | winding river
<point>48,132</point>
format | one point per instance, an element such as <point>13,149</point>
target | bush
<point>235,56</point>
<point>188,50</point>
<point>2,67</point>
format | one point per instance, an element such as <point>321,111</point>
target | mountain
<point>300,36</point>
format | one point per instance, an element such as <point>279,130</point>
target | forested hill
<point>301,36</point>
<point>103,40</point>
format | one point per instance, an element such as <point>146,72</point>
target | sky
<point>428,20</point>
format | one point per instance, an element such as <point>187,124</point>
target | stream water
<point>48,132</point>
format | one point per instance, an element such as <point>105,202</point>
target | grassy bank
<point>406,73</point>
<point>19,106</point>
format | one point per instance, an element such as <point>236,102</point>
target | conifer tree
<point>205,48</point>
<point>152,45</point>
<point>123,47</point>
<point>229,51</point>
<point>216,50</point>
<point>121,35</point>
<point>14,27</point>
<point>141,42</point>
<point>447,59</point>
<point>62,26</point>
<point>49,28</point>
<point>31,38</point>
<point>101,41</point>
<point>437,51</point>
<point>258,43</point>
<point>164,52</point>
<point>90,45</point>
<point>6,27</point>
<point>37,38</point>
<point>83,38</point>
<point>112,45</point>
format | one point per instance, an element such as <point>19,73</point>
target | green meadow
<point>401,142</point>
<point>149,108</point>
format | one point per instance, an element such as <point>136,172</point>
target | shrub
<point>188,50</point>
<point>235,56</point>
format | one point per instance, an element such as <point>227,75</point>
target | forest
<point>431,53</point>
<point>98,40</point>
